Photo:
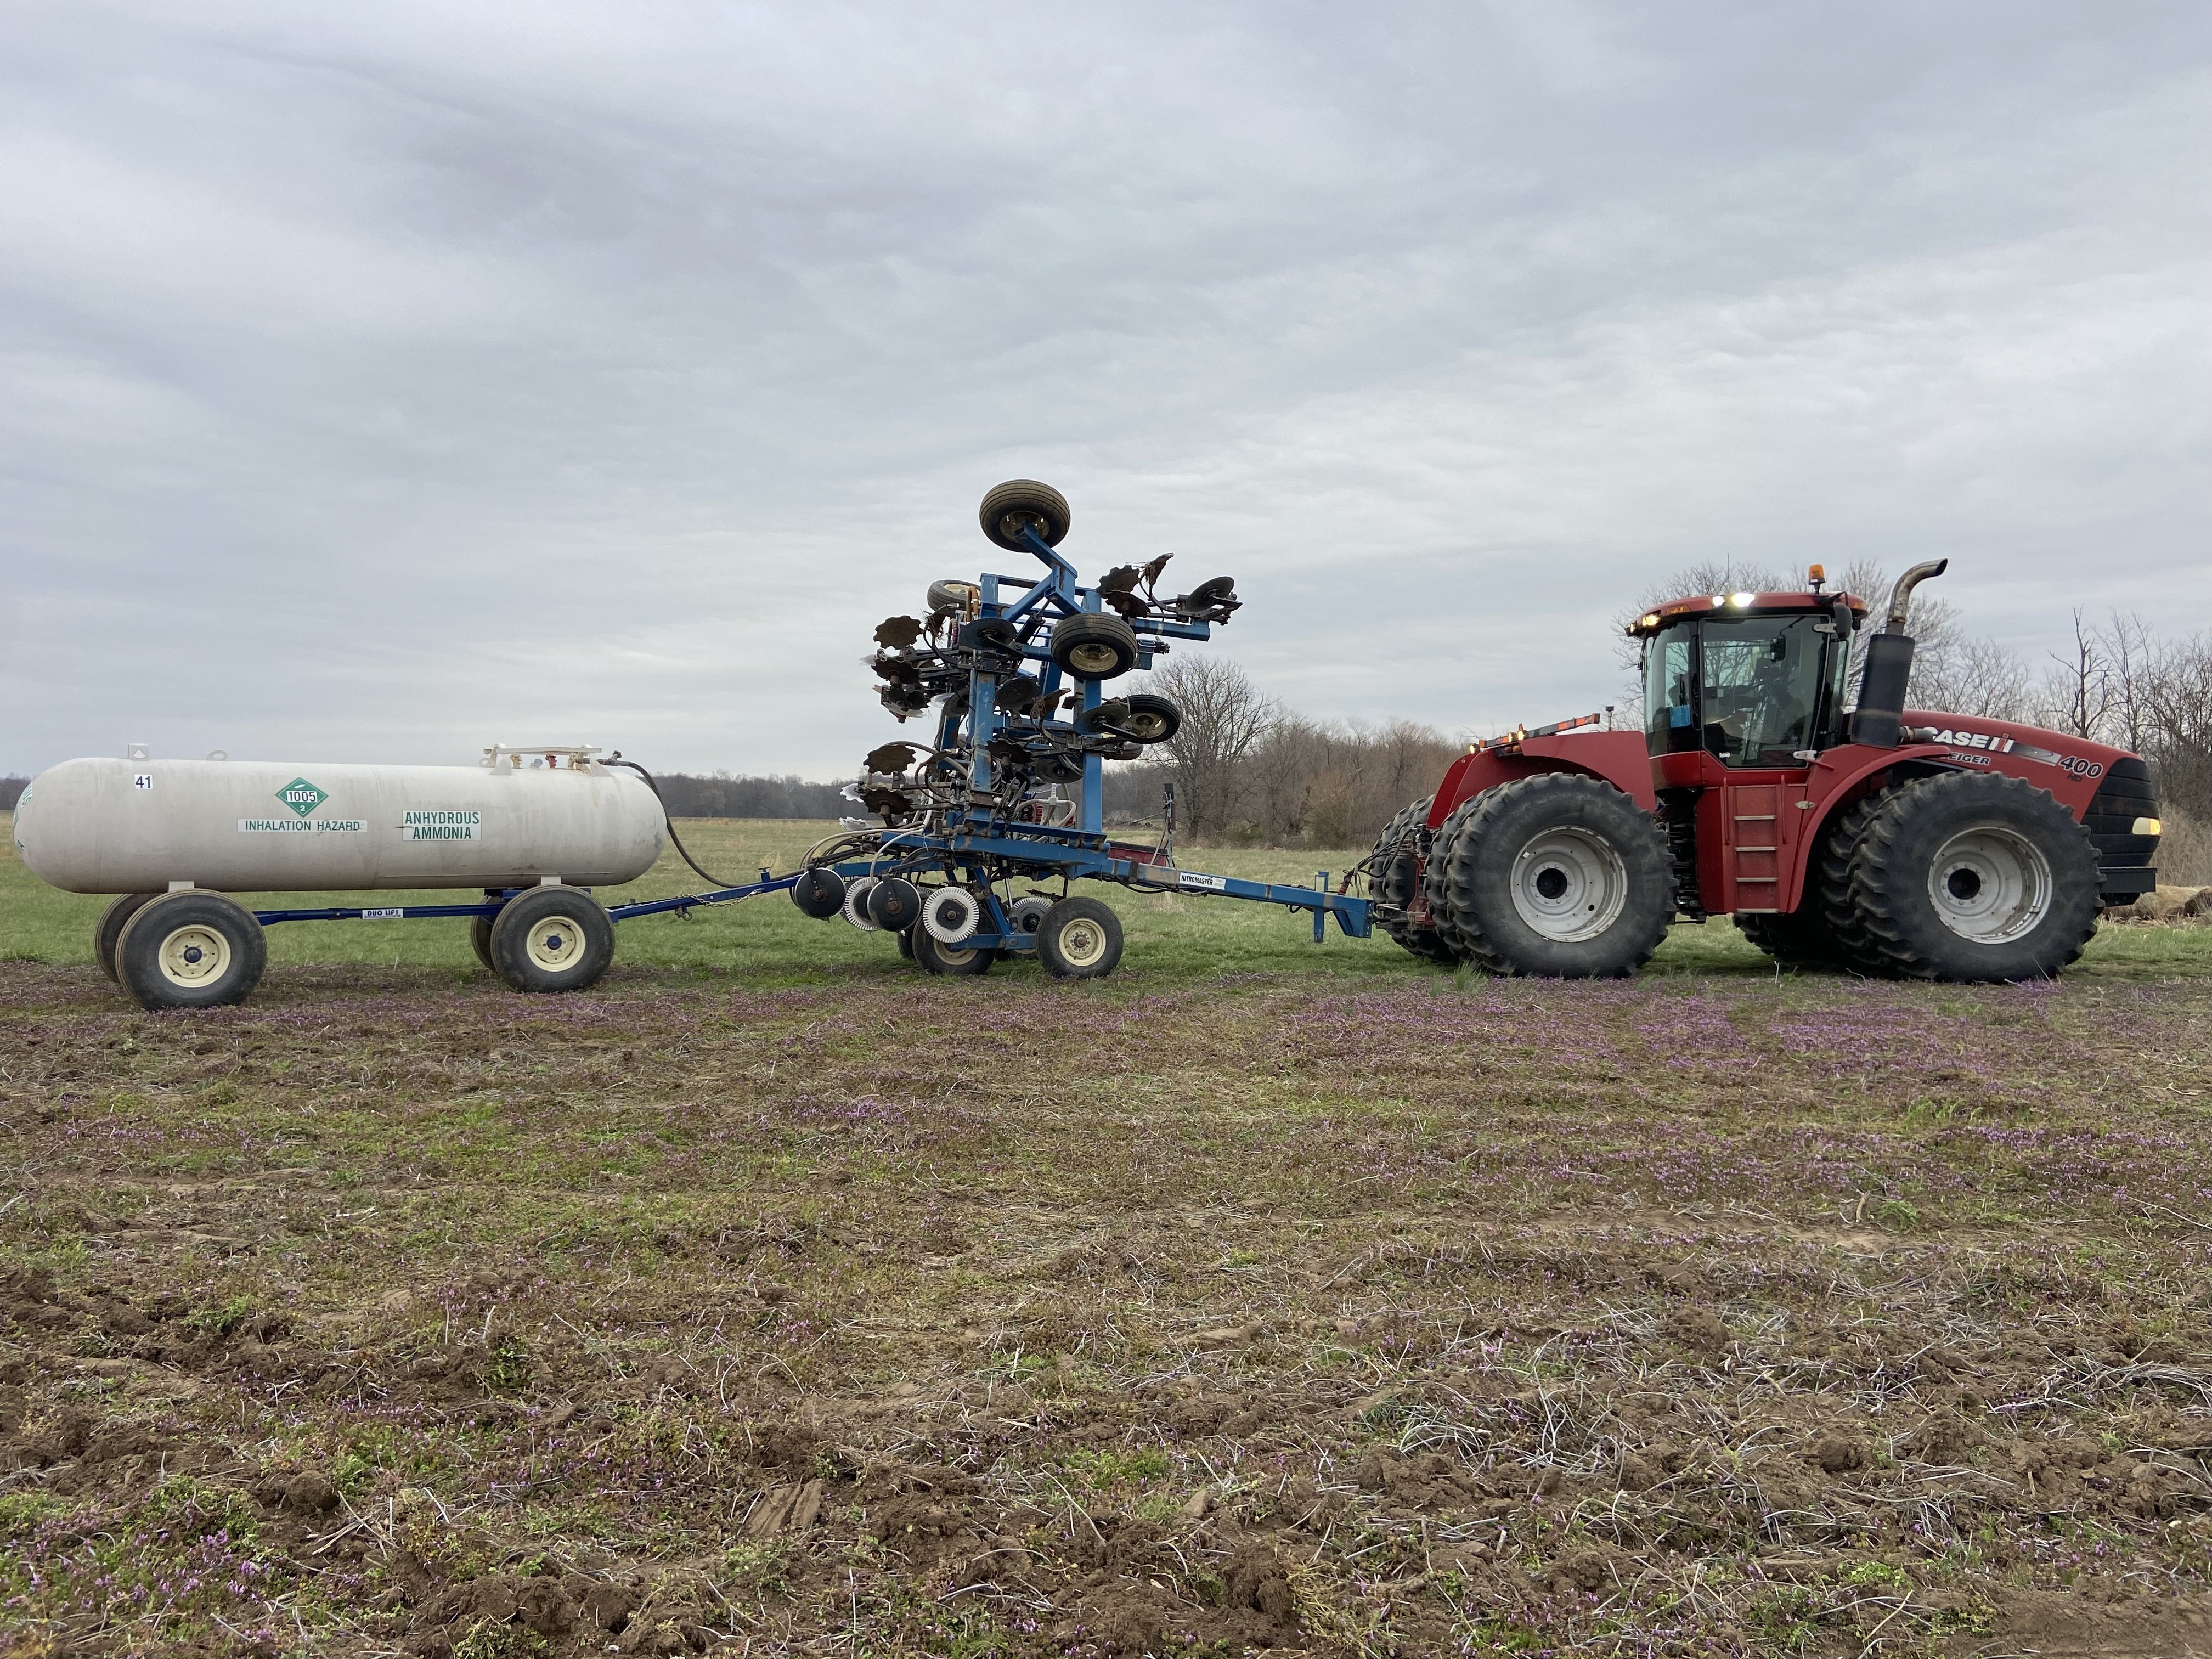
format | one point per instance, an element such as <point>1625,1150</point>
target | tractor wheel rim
<point>1090,659</point>
<point>1145,728</point>
<point>555,944</point>
<point>194,955</point>
<point>1990,885</point>
<point>1082,943</point>
<point>1569,884</point>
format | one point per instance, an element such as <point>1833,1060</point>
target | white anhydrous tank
<point>113,826</point>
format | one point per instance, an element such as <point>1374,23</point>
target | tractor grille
<point>2122,858</point>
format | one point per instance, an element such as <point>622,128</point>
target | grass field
<point>773,1297</point>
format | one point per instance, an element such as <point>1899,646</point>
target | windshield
<point>1760,686</point>
<point>1747,688</point>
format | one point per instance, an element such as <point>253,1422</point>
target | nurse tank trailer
<point>530,831</point>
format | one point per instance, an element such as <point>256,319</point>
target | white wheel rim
<point>1569,884</point>
<point>951,916</point>
<point>1082,943</point>
<point>1990,885</point>
<point>1145,726</point>
<point>194,955</point>
<point>555,943</point>
<point>951,958</point>
<point>1092,658</point>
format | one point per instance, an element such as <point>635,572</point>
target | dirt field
<point>1309,1303</point>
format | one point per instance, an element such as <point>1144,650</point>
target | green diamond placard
<point>301,796</point>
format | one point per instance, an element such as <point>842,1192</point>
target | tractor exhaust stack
<point>1879,718</point>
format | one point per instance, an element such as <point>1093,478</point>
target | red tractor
<point>1876,839</point>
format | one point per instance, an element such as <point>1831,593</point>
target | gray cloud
<point>382,382</point>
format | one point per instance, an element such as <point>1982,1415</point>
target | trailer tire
<point>1144,717</point>
<point>1559,875</point>
<point>110,927</point>
<point>190,949</point>
<point>480,941</point>
<point>551,939</point>
<point>1969,877</point>
<point>1022,504</point>
<point>953,961</point>
<point>906,944</point>
<point>1094,647</point>
<point>1079,938</point>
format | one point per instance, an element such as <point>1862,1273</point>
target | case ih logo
<point>301,796</point>
<point>1991,741</point>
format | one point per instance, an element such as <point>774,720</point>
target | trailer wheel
<point>1560,875</point>
<point>191,949</point>
<point>480,941</point>
<point>110,927</point>
<point>958,961</point>
<point>1094,647</point>
<point>1079,938</point>
<point>552,939</point>
<point>906,943</point>
<point>1971,877</point>
<point>1022,504</point>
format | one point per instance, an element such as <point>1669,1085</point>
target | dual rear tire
<point>1559,875</point>
<point>1963,876</point>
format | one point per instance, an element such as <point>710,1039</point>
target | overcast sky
<point>384,381</point>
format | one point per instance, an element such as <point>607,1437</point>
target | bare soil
<point>391,1315</point>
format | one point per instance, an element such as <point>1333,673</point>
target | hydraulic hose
<point>683,852</point>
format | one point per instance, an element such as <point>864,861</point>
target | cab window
<point>1671,690</point>
<point>1759,687</point>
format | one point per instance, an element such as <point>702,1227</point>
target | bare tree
<point>1976,677</point>
<point>1223,718</point>
<point>2077,691</point>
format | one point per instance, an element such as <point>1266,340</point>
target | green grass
<point>1171,937</point>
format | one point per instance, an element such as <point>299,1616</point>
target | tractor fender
<point>1620,758</point>
<point>1844,775</point>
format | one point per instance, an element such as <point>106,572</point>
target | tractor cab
<point>1754,680</point>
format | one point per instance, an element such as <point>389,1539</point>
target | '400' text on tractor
<point>1879,839</point>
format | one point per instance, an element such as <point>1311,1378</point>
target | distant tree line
<point>721,795</point>
<point>1248,771</point>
